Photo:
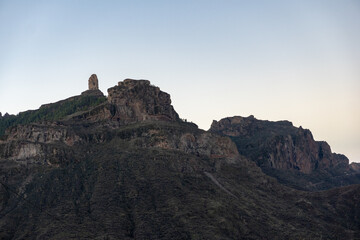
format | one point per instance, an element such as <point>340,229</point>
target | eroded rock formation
<point>93,82</point>
<point>131,102</point>
<point>93,87</point>
<point>137,100</point>
<point>279,144</point>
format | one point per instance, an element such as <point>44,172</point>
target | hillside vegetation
<point>51,112</point>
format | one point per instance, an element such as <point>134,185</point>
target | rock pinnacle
<point>93,82</point>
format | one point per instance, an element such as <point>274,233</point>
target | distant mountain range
<point>127,166</point>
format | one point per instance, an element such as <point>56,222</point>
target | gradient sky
<point>276,60</point>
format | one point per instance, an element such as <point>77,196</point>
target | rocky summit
<point>282,145</point>
<point>126,166</point>
<point>137,100</point>
<point>288,153</point>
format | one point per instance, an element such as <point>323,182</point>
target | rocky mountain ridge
<point>129,103</point>
<point>286,146</point>
<point>279,147</point>
<point>127,167</point>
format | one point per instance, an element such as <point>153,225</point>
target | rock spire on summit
<point>93,82</point>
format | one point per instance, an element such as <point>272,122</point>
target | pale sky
<point>277,60</point>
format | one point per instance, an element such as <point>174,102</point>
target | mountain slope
<point>131,169</point>
<point>121,189</point>
<point>53,111</point>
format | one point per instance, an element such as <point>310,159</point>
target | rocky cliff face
<point>183,137</point>
<point>137,100</point>
<point>43,133</point>
<point>38,144</point>
<point>279,144</point>
<point>131,102</point>
<point>355,166</point>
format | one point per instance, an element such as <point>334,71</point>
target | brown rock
<point>137,100</point>
<point>93,82</point>
<point>279,144</point>
<point>42,133</point>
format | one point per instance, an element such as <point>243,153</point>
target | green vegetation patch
<point>51,112</point>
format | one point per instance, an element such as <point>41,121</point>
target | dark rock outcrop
<point>355,166</point>
<point>289,154</point>
<point>279,144</point>
<point>93,82</point>
<point>93,87</point>
<point>131,102</point>
<point>137,100</point>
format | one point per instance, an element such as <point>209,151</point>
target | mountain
<point>130,168</point>
<point>288,153</point>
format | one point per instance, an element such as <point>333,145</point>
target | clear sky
<point>276,60</point>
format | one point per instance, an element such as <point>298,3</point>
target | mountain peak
<point>93,87</point>
<point>138,100</point>
<point>93,82</point>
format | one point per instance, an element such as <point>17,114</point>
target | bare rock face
<point>210,145</point>
<point>38,144</point>
<point>93,87</point>
<point>137,100</point>
<point>279,144</point>
<point>355,166</point>
<point>93,82</point>
<point>43,133</point>
<point>131,101</point>
<point>197,143</point>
